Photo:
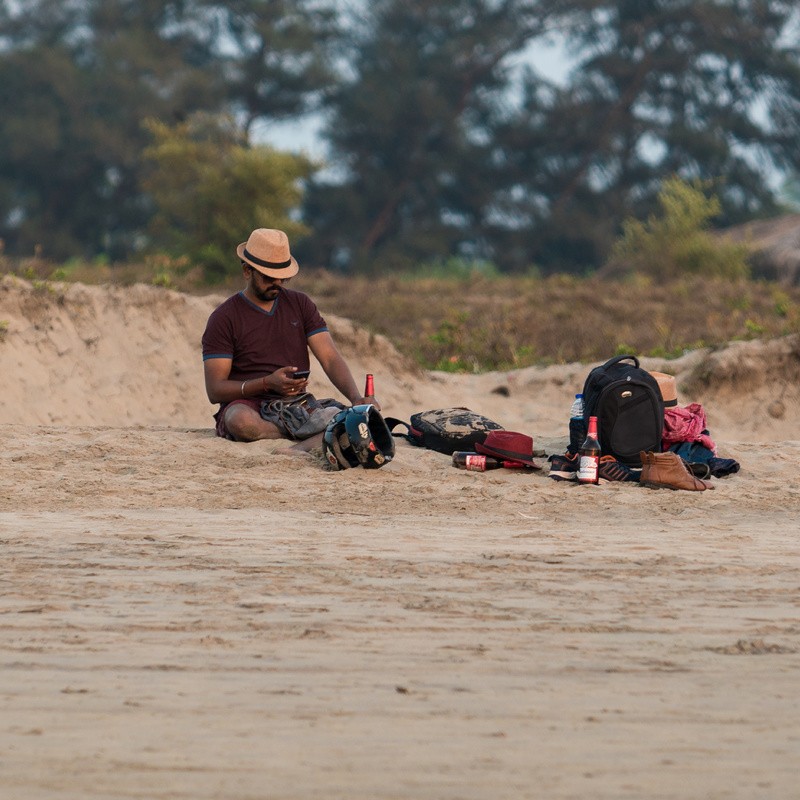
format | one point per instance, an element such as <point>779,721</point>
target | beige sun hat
<point>267,250</point>
<point>668,387</point>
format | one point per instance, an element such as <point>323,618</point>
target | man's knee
<point>246,425</point>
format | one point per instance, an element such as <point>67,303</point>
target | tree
<point>76,79</point>
<point>276,55</point>
<point>440,146</point>
<point>211,189</point>
<point>676,242</point>
<point>705,89</point>
<point>409,132</point>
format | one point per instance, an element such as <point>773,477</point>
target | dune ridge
<point>122,356</point>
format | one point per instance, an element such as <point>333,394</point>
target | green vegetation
<point>445,141</point>
<point>676,242</point>
<point>209,187</point>
<point>506,322</point>
<point>458,269</point>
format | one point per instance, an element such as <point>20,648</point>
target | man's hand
<point>221,389</point>
<point>336,369</point>
<point>372,400</point>
<point>283,382</point>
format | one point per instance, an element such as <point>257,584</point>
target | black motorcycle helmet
<point>358,435</point>
<point>336,444</point>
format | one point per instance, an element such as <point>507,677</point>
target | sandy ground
<point>185,617</point>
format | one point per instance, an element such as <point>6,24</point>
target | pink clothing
<point>686,424</point>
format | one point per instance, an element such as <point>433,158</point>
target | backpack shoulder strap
<point>411,434</point>
<point>393,422</point>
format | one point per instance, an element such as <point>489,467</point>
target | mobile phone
<point>301,373</point>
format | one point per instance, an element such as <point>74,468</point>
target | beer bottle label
<point>587,472</point>
<point>475,463</point>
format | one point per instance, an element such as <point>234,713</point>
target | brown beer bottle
<point>589,455</point>
<point>475,462</point>
<point>478,462</point>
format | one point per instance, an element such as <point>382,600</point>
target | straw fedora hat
<point>267,250</point>
<point>668,387</point>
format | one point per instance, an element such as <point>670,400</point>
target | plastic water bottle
<point>577,425</point>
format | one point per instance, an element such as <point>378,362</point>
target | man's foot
<point>308,448</point>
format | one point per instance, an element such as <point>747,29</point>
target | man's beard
<point>266,295</point>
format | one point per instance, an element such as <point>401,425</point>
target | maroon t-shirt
<point>258,341</point>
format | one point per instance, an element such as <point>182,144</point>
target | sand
<point>185,617</point>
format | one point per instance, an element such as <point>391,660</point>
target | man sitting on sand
<point>259,338</point>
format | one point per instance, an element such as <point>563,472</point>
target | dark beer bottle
<point>475,462</point>
<point>481,463</point>
<point>589,455</point>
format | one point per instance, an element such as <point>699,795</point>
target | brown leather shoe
<point>668,471</point>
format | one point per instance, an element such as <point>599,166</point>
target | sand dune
<point>185,617</point>
<point>127,356</point>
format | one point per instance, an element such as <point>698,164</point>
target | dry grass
<point>505,323</point>
<point>484,323</point>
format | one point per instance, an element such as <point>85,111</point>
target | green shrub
<point>677,241</point>
<point>210,188</point>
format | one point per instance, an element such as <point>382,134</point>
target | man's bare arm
<point>220,389</point>
<point>331,360</point>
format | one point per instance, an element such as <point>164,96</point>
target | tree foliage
<point>78,77</point>
<point>210,189</point>
<point>276,55</point>
<point>677,242</point>
<point>410,132</point>
<point>705,89</point>
<point>443,144</point>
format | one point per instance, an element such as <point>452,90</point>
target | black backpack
<point>627,403</point>
<point>445,429</point>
